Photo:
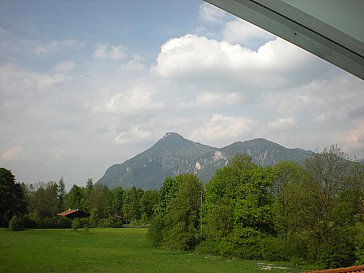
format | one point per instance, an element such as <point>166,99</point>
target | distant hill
<point>173,155</point>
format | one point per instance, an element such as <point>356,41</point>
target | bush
<point>31,221</point>
<point>84,222</point>
<point>155,231</point>
<point>336,253</point>
<point>273,249</point>
<point>359,245</point>
<point>76,223</point>
<point>112,222</point>
<point>16,223</point>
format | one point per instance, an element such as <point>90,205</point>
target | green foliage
<point>12,197</point>
<point>117,201</point>
<point>237,211</point>
<point>61,193</point>
<point>359,244</point>
<point>76,199</point>
<point>111,222</point>
<point>178,224</point>
<point>317,207</point>
<point>76,224</point>
<point>167,192</point>
<point>131,207</point>
<point>16,223</point>
<point>148,203</point>
<point>182,218</point>
<point>155,231</point>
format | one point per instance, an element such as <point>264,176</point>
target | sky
<point>87,84</point>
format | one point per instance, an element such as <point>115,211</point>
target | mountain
<point>173,155</point>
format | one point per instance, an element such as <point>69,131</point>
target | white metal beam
<point>302,29</point>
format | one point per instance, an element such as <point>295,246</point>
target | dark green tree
<point>46,200</point>
<point>148,203</point>
<point>182,220</point>
<point>166,194</point>
<point>61,193</point>
<point>318,206</point>
<point>12,197</point>
<point>76,198</point>
<point>131,208</point>
<point>237,215</point>
<point>117,201</point>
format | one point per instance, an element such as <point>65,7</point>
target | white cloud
<point>65,66</point>
<point>114,52</point>
<point>15,80</point>
<point>54,46</point>
<point>212,99</point>
<point>240,31</point>
<point>195,58</point>
<point>135,63</point>
<point>134,134</point>
<point>210,13</point>
<point>221,129</point>
<point>135,101</point>
<point>352,140</point>
<point>282,123</point>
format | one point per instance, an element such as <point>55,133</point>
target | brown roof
<point>353,269</point>
<point>67,212</point>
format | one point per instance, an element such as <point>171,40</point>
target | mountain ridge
<point>173,154</point>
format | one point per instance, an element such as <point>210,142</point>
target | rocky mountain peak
<point>173,154</point>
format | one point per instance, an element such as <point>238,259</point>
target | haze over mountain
<point>173,155</point>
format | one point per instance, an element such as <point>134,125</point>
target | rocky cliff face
<point>173,155</point>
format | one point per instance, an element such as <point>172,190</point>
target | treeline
<point>37,206</point>
<point>310,213</point>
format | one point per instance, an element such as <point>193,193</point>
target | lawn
<point>110,250</point>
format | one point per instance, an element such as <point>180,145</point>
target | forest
<point>290,212</point>
<point>310,213</point>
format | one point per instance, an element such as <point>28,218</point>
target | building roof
<point>68,212</point>
<point>353,269</point>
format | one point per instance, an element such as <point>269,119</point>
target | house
<point>74,213</point>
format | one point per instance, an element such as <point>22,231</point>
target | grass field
<point>110,250</point>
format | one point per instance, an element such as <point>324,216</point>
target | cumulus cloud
<point>212,99</point>
<point>194,58</point>
<point>211,14</point>
<point>282,123</point>
<point>135,63</point>
<point>14,79</point>
<point>223,128</point>
<point>114,52</point>
<point>134,134</point>
<point>135,101</point>
<point>243,32</point>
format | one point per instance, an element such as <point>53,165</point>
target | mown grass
<point>110,250</point>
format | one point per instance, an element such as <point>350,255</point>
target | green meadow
<point>111,250</point>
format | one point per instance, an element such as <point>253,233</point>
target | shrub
<point>16,223</point>
<point>112,222</point>
<point>337,253</point>
<point>359,244</point>
<point>273,249</point>
<point>84,222</point>
<point>155,231</point>
<point>76,223</point>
